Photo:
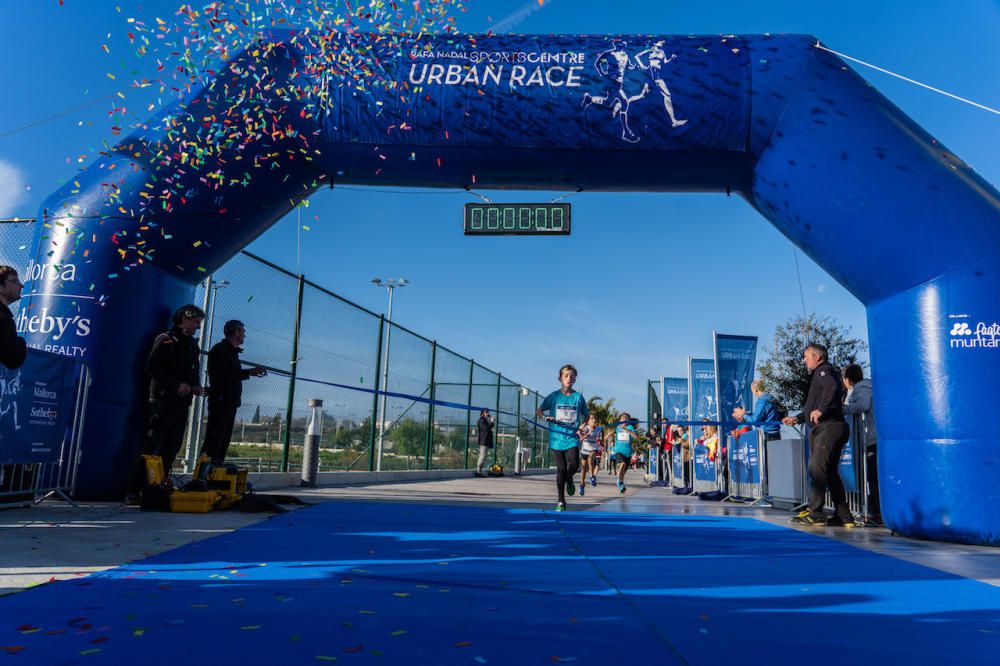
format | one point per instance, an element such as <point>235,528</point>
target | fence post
<point>196,414</point>
<point>430,411</point>
<point>294,373</point>
<point>496,435</point>
<point>468,412</point>
<point>378,383</point>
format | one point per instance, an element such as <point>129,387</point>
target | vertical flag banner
<point>703,397</point>
<point>654,409</point>
<point>675,398</point>
<point>735,356</point>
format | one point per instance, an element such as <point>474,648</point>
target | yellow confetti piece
<point>90,651</point>
<point>398,633</point>
<point>400,594</point>
<point>138,632</point>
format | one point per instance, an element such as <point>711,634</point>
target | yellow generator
<point>229,481</point>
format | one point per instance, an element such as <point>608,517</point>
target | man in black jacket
<point>13,349</point>
<point>485,430</point>
<point>173,367</point>
<point>225,393</point>
<point>824,411</point>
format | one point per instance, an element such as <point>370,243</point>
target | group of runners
<point>577,442</point>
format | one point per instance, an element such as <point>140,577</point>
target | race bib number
<point>566,414</point>
<point>622,437</point>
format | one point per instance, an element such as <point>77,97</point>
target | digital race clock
<point>519,219</point>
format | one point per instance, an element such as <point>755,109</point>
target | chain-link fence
<point>316,344</point>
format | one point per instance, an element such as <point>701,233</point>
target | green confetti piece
<point>90,651</point>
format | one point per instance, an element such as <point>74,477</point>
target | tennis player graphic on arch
<point>803,138</point>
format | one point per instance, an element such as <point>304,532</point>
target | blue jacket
<point>765,409</point>
<point>859,407</point>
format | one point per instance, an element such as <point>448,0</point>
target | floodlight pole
<point>389,284</point>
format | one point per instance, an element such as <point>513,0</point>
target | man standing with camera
<point>824,411</point>
<point>225,392</point>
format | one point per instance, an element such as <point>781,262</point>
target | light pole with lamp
<point>390,284</point>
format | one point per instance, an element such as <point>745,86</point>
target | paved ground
<point>55,541</point>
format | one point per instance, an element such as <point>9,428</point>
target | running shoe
<point>582,488</point>
<point>561,506</point>
<point>593,481</point>
<point>811,520</point>
<point>570,488</point>
<point>622,488</point>
<point>836,521</point>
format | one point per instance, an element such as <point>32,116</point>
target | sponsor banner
<point>704,469</point>
<point>846,464</point>
<point>744,458</point>
<point>654,463</point>
<point>677,462</point>
<point>36,408</point>
<point>735,356</point>
<point>675,398</point>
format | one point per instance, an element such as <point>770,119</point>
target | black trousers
<point>567,465</point>
<point>826,443</point>
<point>164,437</point>
<point>218,431</point>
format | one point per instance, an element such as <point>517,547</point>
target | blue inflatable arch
<point>888,211</point>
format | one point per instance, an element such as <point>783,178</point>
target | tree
<point>784,374</point>
<point>604,412</point>
<point>409,438</point>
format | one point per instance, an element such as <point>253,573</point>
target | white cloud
<point>12,189</point>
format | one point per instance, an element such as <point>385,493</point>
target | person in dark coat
<point>13,349</point>
<point>485,430</point>
<point>225,390</point>
<point>824,410</point>
<point>173,367</point>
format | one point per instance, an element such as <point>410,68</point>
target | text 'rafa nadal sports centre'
<point>888,211</point>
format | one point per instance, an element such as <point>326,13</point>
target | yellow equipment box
<point>154,469</point>
<point>193,501</point>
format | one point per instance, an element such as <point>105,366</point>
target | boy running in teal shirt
<point>624,434</point>
<point>565,410</point>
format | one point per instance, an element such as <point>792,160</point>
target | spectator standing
<point>13,349</point>
<point>824,411</point>
<point>225,393</point>
<point>858,406</point>
<point>484,429</point>
<point>173,368</point>
<point>766,411</point>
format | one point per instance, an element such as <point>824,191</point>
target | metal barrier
<point>747,467</point>
<point>27,483</point>
<point>857,454</point>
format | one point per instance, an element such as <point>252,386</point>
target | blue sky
<point>648,272</point>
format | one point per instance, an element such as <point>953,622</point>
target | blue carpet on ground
<point>380,583</point>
